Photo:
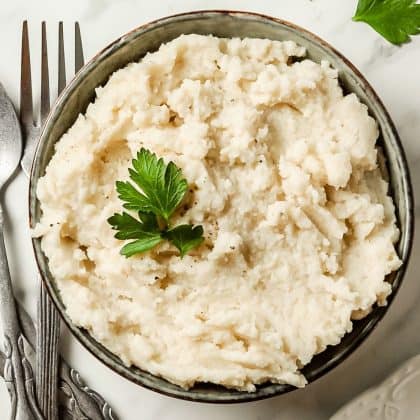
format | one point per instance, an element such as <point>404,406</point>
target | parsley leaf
<point>141,245</point>
<point>395,20</point>
<point>146,232</point>
<point>162,186</point>
<point>161,190</point>
<point>129,227</point>
<point>185,237</point>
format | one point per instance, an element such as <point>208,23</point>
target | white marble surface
<point>396,398</point>
<point>394,73</point>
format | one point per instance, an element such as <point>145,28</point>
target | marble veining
<point>393,72</point>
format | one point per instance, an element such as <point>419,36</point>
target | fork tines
<point>78,48</point>
<point>31,126</point>
<point>61,60</point>
<point>25,79</point>
<point>45,78</point>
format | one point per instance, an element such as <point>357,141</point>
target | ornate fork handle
<point>80,396</point>
<point>80,401</point>
<point>18,374</point>
<point>23,398</point>
<point>17,370</point>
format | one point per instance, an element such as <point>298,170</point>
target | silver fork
<point>48,321</point>
<point>79,401</point>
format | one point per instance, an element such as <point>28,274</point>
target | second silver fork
<point>48,321</point>
<point>79,401</point>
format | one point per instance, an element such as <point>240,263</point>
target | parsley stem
<point>162,223</point>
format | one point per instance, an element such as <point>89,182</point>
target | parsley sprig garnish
<point>395,20</point>
<point>157,192</point>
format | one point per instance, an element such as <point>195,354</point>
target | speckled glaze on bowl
<point>135,45</point>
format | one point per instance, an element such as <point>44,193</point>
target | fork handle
<point>81,402</point>
<point>48,334</point>
<point>17,370</point>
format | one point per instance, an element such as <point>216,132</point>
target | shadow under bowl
<point>134,45</point>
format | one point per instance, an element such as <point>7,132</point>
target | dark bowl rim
<point>246,397</point>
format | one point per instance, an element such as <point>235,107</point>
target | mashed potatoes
<point>283,175</point>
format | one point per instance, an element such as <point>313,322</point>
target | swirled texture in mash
<point>283,176</point>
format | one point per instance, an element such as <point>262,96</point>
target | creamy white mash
<point>283,176</point>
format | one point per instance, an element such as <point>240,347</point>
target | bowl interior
<point>132,47</point>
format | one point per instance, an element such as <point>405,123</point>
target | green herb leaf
<point>162,190</point>
<point>141,245</point>
<point>130,228</point>
<point>395,20</point>
<point>134,200</point>
<point>162,186</point>
<point>185,237</point>
<point>145,231</point>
